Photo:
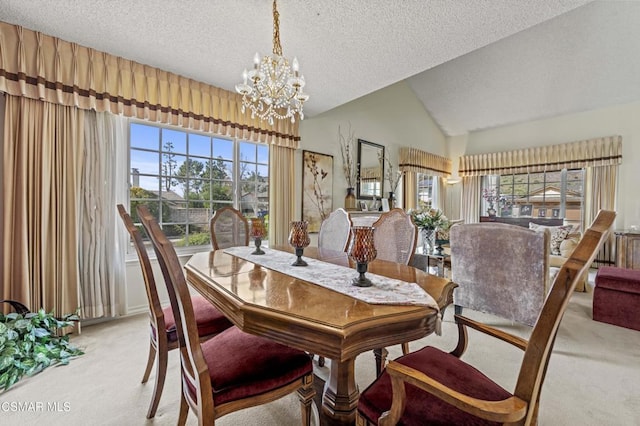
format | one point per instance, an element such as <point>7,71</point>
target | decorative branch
<point>390,176</point>
<point>347,149</point>
<point>318,176</point>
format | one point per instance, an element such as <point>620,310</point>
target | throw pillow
<point>558,234</point>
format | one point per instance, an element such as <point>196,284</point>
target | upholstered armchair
<point>500,269</point>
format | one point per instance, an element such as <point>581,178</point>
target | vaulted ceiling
<point>474,64</point>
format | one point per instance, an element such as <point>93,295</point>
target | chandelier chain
<point>277,47</point>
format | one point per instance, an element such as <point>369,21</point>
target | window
<point>425,190</point>
<point>556,194</point>
<point>185,176</point>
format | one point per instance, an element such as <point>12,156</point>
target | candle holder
<point>257,232</point>
<point>299,239</point>
<point>362,250</point>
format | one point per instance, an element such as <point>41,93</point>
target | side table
<point>440,261</point>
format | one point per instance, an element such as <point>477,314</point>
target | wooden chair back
<point>194,370</point>
<point>395,236</point>
<point>543,336</point>
<point>155,308</point>
<point>160,344</point>
<point>335,231</point>
<point>229,228</point>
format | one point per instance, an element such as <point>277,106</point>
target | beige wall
<point>392,117</point>
<point>621,120</point>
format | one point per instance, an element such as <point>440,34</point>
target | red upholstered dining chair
<point>230,371</point>
<point>431,386</point>
<point>210,321</point>
<point>395,238</point>
<point>334,234</point>
<point>228,228</point>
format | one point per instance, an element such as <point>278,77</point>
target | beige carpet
<point>593,377</point>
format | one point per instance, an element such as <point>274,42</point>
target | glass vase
<point>428,240</point>
<point>350,200</point>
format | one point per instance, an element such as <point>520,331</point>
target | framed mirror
<point>370,170</point>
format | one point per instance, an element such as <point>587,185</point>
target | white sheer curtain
<point>600,193</point>
<point>439,193</point>
<point>102,241</point>
<point>471,198</point>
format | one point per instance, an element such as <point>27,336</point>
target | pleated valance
<point>39,66</point>
<point>415,160</point>
<point>371,174</point>
<point>573,155</point>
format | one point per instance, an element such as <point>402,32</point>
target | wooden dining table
<point>315,319</point>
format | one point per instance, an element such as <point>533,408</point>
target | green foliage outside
<point>29,343</point>
<point>195,239</point>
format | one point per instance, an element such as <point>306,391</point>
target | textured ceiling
<point>473,63</point>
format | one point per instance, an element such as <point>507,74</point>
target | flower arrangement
<point>490,196</point>
<point>392,177</point>
<point>429,218</point>
<point>347,148</point>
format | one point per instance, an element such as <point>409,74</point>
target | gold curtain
<point>418,161</point>
<point>43,148</point>
<point>410,188</point>
<point>39,66</point>
<point>281,193</point>
<point>574,155</point>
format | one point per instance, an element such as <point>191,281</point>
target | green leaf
<point>5,362</point>
<point>12,335</point>
<point>41,332</point>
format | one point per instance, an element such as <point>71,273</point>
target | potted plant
<point>30,342</point>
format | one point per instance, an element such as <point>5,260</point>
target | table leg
<point>340,397</point>
<point>381,359</point>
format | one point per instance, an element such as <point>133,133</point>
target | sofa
<point>563,240</point>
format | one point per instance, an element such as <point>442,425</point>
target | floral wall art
<point>317,188</point>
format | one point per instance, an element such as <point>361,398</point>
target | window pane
<point>247,171</point>
<point>174,140</point>
<point>247,152</point>
<point>220,170</point>
<point>223,148</point>
<point>263,154</point>
<point>200,145</point>
<point>143,136</point>
<point>144,162</point>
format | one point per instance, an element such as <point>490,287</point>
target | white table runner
<point>338,278</point>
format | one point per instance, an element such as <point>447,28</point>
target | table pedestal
<point>340,396</point>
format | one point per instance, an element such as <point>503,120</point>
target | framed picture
<point>526,209</point>
<point>317,188</point>
<point>542,212</point>
<point>555,213</point>
<point>363,206</point>
<point>385,205</point>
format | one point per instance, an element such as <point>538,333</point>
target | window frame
<point>260,160</point>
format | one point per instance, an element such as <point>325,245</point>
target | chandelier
<point>273,88</point>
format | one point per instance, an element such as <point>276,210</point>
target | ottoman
<point>616,297</point>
